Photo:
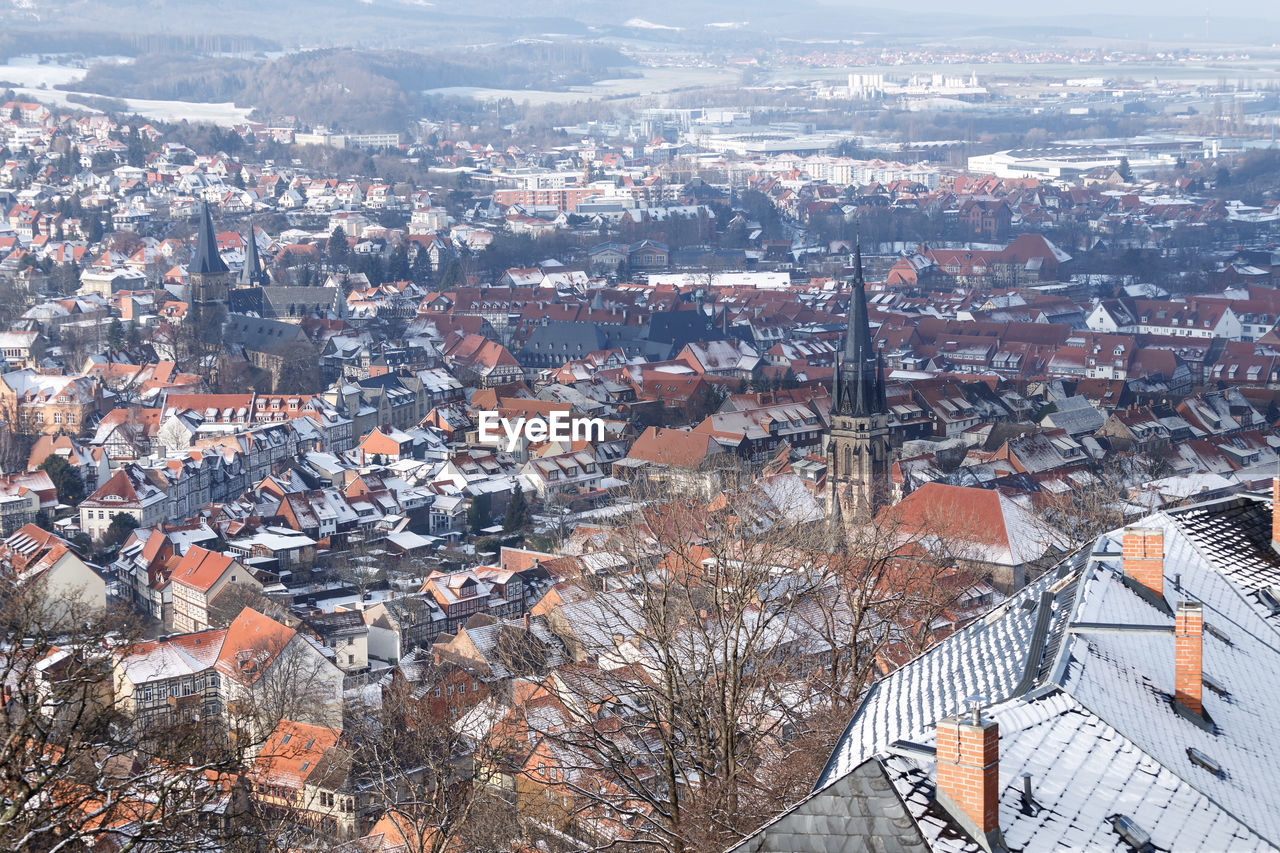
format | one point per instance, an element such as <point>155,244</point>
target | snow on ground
<point>36,82</point>
<point>642,24</point>
<point>26,71</point>
<point>652,81</point>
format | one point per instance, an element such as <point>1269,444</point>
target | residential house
<point>129,491</point>
<point>199,576</point>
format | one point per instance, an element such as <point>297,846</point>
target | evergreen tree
<point>517,511</point>
<point>420,272</point>
<point>480,512</point>
<point>339,251</point>
<point>137,155</point>
<point>398,266</point>
<point>115,334</point>
<point>1126,173</point>
<point>452,276</point>
<point>66,479</point>
<point>122,524</point>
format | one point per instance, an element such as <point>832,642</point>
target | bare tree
<point>74,775</point>
<point>283,675</point>
<point>883,586</point>
<point>358,566</point>
<point>197,341</point>
<point>687,680</point>
<point>418,767</point>
<point>1100,499</point>
<point>719,653</point>
<point>299,371</point>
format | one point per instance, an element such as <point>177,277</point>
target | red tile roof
<point>200,569</point>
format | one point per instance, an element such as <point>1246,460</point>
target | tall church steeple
<point>253,273</point>
<point>860,381</point>
<point>207,260</point>
<point>207,274</point>
<point>858,445</point>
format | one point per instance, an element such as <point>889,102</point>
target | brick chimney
<point>1188,646</point>
<point>1275,513</point>
<point>969,772</point>
<point>1144,557</point>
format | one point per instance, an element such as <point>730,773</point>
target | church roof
<point>859,381</point>
<point>253,272</point>
<point>207,261</point>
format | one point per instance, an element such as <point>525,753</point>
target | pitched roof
<point>682,448</point>
<point>1079,671</point>
<point>861,811</point>
<point>253,641</point>
<point>292,752</point>
<point>992,526</point>
<point>200,569</point>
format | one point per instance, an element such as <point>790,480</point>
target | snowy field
<point>653,81</point>
<point>35,82</point>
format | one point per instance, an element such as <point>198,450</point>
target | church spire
<point>252,273</point>
<point>207,261</point>
<point>858,447</point>
<point>857,342</point>
<point>859,382</point>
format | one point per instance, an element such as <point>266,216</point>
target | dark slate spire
<point>207,260</point>
<point>857,342</point>
<point>860,380</point>
<point>252,273</point>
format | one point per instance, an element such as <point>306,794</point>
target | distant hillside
<point>352,89</point>
<point>447,24</point>
<point>17,39</point>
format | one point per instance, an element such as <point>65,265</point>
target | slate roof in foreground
<point>1087,712</point>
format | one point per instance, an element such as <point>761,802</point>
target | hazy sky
<point>1241,9</point>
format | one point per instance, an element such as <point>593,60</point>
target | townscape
<point>834,458</point>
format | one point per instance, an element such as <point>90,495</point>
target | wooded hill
<point>352,89</point>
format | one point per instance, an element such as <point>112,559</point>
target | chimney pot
<point>1144,557</point>
<point>1188,649</point>
<point>969,772</point>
